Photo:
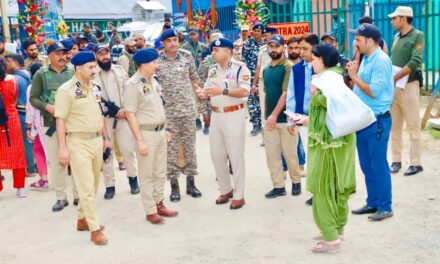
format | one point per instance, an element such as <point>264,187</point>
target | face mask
<point>106,66</point>
<point>275,56</point>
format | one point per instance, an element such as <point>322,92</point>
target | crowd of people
<point>67,112</point>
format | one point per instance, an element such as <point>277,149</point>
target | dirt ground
<point>264,231</point>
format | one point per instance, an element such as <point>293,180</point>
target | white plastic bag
<point>346,113</point>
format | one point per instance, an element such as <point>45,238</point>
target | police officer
<point>112,79</point>
<point>228,84</point>
<point>125,60</point>
<point>146,116</point>
<point>79,115</point>
<point>42,96</point>
<point>178,76</point>
<point>407,53</point>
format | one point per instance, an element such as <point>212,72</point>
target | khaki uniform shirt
<point>143,97</point>
<point>112,84</point>
<point>28,62</point>
<point>175,76</point>
<point>236,75</point>
<point>263,59</point>
<point>79,106</point>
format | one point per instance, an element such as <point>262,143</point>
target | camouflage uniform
<point>175,76</point>
<point>205,105</point>
<point>250,57</point>
<point>196,51</point>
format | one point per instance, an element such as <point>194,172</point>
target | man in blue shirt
<point>373,84</point>
<point>15,66</point>
<point>298,90</point>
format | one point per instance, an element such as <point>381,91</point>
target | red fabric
<point>12,157</point>
<point>19,176</point>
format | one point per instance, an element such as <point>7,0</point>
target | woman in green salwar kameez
<point>330,162</point>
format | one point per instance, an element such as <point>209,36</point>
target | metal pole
<point>5,21</point>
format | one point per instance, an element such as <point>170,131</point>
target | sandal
<point>41,184</point>
<point>322,247</point>
<point>320,237</point>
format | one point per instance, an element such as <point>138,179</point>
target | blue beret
<point>270,30</point>
<point>145,56</point>
<point>56,46</point>
<point>90,46</point>
<point>82,58</point>
<point>258,26</point>
<point>157,44</point>
<point>68,44</point>
<point>168,34</point>
<point>222,43</point>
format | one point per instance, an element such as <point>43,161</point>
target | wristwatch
<point>225,91</point>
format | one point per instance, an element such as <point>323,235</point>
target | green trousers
<point>330,211</point>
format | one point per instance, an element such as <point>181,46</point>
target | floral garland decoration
<point>250,12</point>
<point>32,18</point>
<point>201,22</point>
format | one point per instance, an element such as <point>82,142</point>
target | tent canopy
<point>104,9</point>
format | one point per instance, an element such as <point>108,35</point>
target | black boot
<point>109,193</point>
<point>133,185</point>
<point>175,191</point>
<point>198,124</point>
<point>191,188</point>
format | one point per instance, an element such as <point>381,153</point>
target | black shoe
<point>276,192</point>
<point>109,193</point>
<point>413,170</point>
<point>59,205</point>
<point>175,191</point>
<point>191,188</point>
<point>395,167</point>
<point>206,130</point>
<point>310,201</point>
<point>134,187</point>
<point>198,124</point>
<point>76,201</point>
<point>296,189</point>
<point>380,215</point>
<point>364,210</point>
<point>256,130</point>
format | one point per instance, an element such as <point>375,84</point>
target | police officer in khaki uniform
<point>42,96</point>
<point>112,79</point>
<point>79,115</point>
<point>146,116</point>
<point>228,86</point>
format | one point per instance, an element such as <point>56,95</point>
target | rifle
<point>51,130</point>
<point>112,110</point>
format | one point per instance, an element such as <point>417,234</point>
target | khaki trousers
<point>123,137</point>
<point>406,108</point>
<point>57,173</point>
<point>226,138</point>
<point>152,170</point>
<point>280,140</point>
<point>86,163</point>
